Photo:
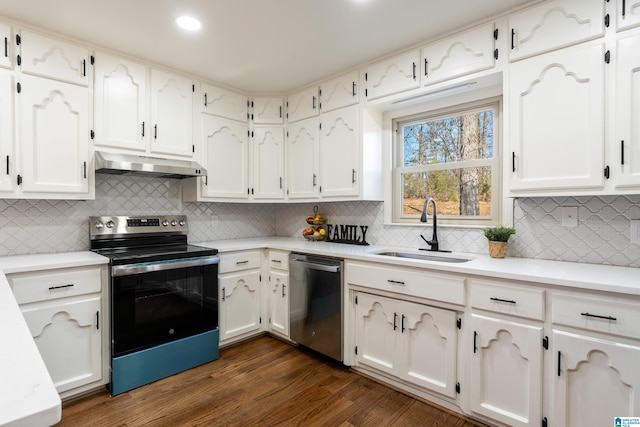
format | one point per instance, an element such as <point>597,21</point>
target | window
<point>453,156</point>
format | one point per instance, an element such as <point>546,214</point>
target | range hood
<point>120,164</point>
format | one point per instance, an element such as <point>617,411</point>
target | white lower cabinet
<point>64,310</point>
<point>505,375</point>
<point>239,295</point>
<point>413,342</point>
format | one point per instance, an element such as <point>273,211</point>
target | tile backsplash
<point>43,226</point>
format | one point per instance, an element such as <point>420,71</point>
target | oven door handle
<point>147,267</point>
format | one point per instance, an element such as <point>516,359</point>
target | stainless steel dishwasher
<point>315,303</point>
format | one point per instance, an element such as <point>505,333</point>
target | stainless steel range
<point>163,297</point>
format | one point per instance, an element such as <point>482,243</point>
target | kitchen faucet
<point>434,239</point>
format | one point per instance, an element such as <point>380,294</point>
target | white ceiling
<point>258,46</point>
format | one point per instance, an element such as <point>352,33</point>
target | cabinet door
<point>5,48</point>
<point>595,380</point>
<point>557,120</point>
<point>465,53</point>
<point>303,159</point>
<point>340,152</point>
<point>239,303</point>
<point>506,371</point>
<point>627,143</point>
<point>171,114</point>
<point>224,103</point>
<point>278,301</point>
<point>628,14</point>
<point>54,137</point>
<point>555,24</point>
<point>377,321</point>
<point>268,163</point>
<point>68,338</point>
<point>267,111</point>
<point>120,103</point>
<point>302,105</point>
<point>7,156</point>
<point>393,75</point>
<point>226,149</point>
<point>48,57</point>
<point>429,350</point>
<point>339,92</point>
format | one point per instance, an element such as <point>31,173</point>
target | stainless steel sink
<point>424,257</point>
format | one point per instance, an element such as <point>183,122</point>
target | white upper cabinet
<point>224,103</point>
<point>44,56</point>
<point>267,111</point>
<point>171,114</point>
<point>226,154</point>
<point>339,92</point>
<point>268,162</point>
<point>626,146</point>
<point>465,53</point>
<point>54,138</point>
<point>393,75</point>
<point>120,103</point>
<point>556,125</point>
<point>303,155</point>
<point>555,24</point>
<point>7,43</point>
<point>7,153</point>
<point>302,105</point>
<point>628,14</point>
<point>340,153</point>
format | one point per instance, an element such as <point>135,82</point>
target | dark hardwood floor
<point>261,382</point>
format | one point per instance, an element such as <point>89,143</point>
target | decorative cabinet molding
<point>393,75</point>
<point>465,53</point>
<point>303,105</point>
<point>553,25</point>
<point>267,111</point>
<point>339,92</point>
<point>223,103</point>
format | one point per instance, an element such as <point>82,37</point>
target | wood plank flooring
<point>261,382</point>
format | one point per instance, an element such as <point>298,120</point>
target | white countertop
<point>27,394</point>
<point>625,280</point>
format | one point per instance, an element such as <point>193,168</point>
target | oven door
<point>154,303</point>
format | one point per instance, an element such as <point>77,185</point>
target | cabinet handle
<point>281,183</point>
<point>426,67</point>
<point>598,316</point>
<point>84,68</point>
<point>395,321</point>
<point>315,179</point>
<point>314,102</point>
<point>155,131</point>
<point>84,167</point>
<point>513,38</point>
<point>621,154</point>
<point>7,165</point>
<point>624,8</point>
<point>223,294</point>
<point>395,282</point>
<point>6,47</point>
<point>510,301</point>
<point>242,262</point>
<point>559,365</point>
<point>353,88</point>
<point>402,324</point>
<point>283,293</point>
<point>281,111</point>
<point>69,285</point>
<point>414,71</point>
<point>205,99</point>
<point>279,261</point>
<point>513,161</point>
<point>475,342</point>
<point>143,129</point>
<point>97,320</point>
<point>353,176</point>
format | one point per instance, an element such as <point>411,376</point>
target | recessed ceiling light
<point>188,23</point>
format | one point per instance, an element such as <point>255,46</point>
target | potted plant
<point>498,238</point>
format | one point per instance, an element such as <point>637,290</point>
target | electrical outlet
<point>635,231</point>
<point>570,216</point>
<point>214,220</point>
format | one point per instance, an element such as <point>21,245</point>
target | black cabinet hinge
<point>19,179</point>
<point>356,299</point>
<point>18,39</point>
<point>193,148</point>
<point>93,134</point>
<point>495,34</point>
<point>606,172</point>
<point>458,388</point>
<point>356,349</point>
<point>193,88</point>
<point>545,342</point>
<point>495,54</point>
<point>607,57</point>
<point>606,20</point>
<point>366,76</point>
<point>459,323</point>
<point>260,277</point>
<point>92,59</point>
<point>261,320</point>
<point>18,87</point>
<point>544,421</point>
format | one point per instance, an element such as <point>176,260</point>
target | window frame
<point>495,163</point>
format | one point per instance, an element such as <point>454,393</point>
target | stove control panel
<point>124,225</point>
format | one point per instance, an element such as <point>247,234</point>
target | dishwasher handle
<point>316,266</point>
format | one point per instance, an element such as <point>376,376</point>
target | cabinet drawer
<point>605,314</point>
<point>435,286</point>
<point>52,284</point>
<point>278,260</point>
<point>236,261</point>
<point>508,299</point>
